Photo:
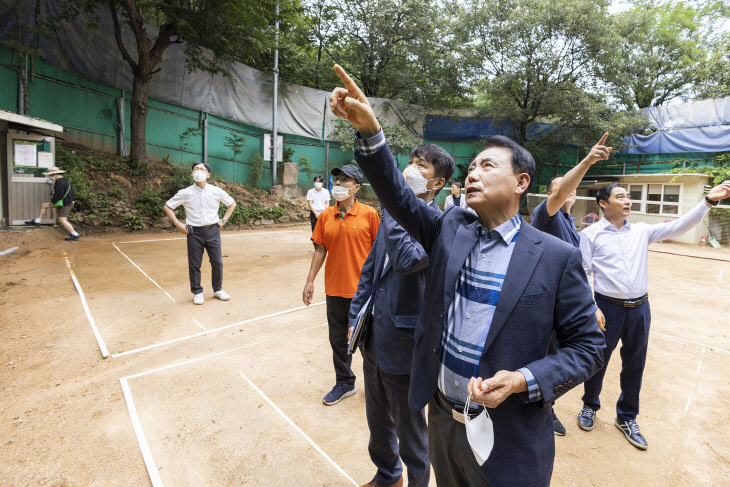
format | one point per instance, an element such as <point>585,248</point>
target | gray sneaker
<point>630,428</point>
<point>585,418</point>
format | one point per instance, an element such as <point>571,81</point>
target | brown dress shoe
<point>372,483</point>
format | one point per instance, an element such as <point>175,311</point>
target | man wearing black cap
<point>344,235</point>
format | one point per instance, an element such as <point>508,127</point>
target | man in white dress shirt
<point>202,226</point>
<point>318,199</point>
<point>616,253</point>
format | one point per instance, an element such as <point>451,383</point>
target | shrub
<point>133,222</point>
<point>254,173</point>
<point>150,203</point>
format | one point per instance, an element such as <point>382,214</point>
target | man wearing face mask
<point>496,288</point>
<point>318,199</point>
<point>344,235</point>
<point>202,227</point>
<point>392,278</point>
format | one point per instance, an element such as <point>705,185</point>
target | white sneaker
<point>222,295</point>
<point>198,299</point>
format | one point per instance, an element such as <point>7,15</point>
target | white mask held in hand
<point>479,433</point>
<point>416,181</point>
<point>340,193</point>
<point>318,185</point>
<point>200,176</point>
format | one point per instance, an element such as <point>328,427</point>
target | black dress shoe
<point>630,428</point>
<point>558,427</point>
<point>585,418</point>
<point>71,238</point>
<point>32,222</point>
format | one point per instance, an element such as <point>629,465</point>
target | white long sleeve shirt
<point>619,260</point>
<point>201,204</point>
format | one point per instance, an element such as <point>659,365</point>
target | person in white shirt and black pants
<point>202,226</point>
<point>616,253</point>
<point>318,199</point>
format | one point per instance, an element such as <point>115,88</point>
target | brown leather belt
<point>457,410</point>
<point>626,303</point>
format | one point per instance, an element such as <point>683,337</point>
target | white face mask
<point>200,176</point>
<point>340,193</point>
<point>479,433</point>
<point>416,181</point>
<point>318,185</point>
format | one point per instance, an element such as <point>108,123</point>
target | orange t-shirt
<point>348,242</point>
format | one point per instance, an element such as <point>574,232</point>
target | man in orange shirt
<point>344,236</point>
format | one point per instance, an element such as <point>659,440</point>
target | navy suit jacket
<point>545,289</point>
<point>397,293</point>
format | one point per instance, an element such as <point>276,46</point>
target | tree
<point>532,66</point>
<point>658,51</point>
<point>213,32</point>
<point>401,138</point>
<point>716,75</point>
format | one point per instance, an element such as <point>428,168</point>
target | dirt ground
<point>224,394</point>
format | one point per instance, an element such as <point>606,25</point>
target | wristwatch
<point>711,201</point>
<point>224,220</point>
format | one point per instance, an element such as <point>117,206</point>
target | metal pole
<point>205,137</point>
<point>122,121</point>
<point>276,93</point>
<point>326,158</point>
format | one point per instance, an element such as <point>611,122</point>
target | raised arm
<point>569,183</point>
<point>378,164</point>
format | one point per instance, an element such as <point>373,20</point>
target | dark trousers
<point>631,326</point>
<point>338,309</point>
<point>451,456</point>
<point>395,430</point>
<point>210,240</point>
<point>313,221</point>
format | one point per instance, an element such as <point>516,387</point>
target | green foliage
<point>719,171</point>
<point>185,142</point>
<point>236,143</point>
<point>286,154</point>
<point>254,173</point>
<point>242,214</point>
<point>73,164</point>
<point>150,203</point>
<point>716,80</point>
<point>181,178</point>
<point>133,222</point>
<point>116,192</point>
<point>401,138</point>
<point>306,168</point>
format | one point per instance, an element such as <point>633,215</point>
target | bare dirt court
<point>229,393</point>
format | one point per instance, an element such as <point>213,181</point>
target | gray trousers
<point>208,239</point>
<point>395,430</point>
<point>451,456</point>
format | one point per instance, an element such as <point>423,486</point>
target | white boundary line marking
<point>99,339</point>
<point>686,406</point>
<point>299,430</point>
<point>711,347</point>
<point>719,279</point>
<point>184,238</point>
<point>311,328</point>
<point>149,461</point>
<point>195,335</point>
<point>172,366</point>
<point>143,273</point>
<point>198,323</point>
<point>694,384</point>
<point>699,364</point>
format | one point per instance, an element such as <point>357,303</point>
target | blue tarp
<point>441,127</point>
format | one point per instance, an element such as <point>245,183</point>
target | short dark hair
<point>550,182</point>
<point>207,166</point>
<point>457,184</point>
<point>605,192</point>
<point>522,160</point>
<point>442,161</point>
<point>318,179</point>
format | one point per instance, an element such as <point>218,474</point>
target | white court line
<point>222,235</point>
<point>195,335</point>
<point>288,420</point>
<point>141,439</point>
<point>694,385</point>
<point>145,274</point>
<point>686,406</point>
<point>99,339</point>
<point>719,279</point>
<point>311,328</point>
<point>711,347</point>
<point>198,323</point>
<point>699,364</point>
<point>160,369</point>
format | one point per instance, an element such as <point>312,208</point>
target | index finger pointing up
<point>600,142</point>
<point>349,84</point>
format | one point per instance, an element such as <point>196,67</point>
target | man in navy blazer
<point>393,278</point>
<point>496,288</point>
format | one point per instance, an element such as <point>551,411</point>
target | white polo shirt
<point>320,199</point>
<point>201,204</point>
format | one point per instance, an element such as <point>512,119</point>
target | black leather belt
<point>457,410</point>
<point>205,227</point>
<point>626,303</point>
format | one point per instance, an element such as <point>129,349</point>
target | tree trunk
<point>138,118</point>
